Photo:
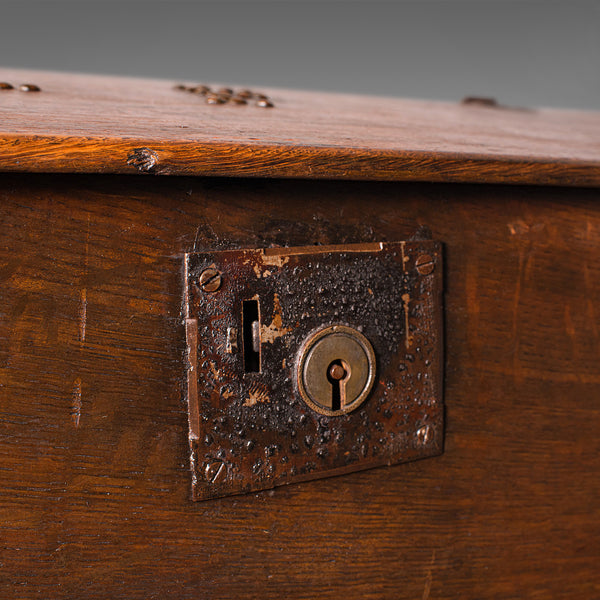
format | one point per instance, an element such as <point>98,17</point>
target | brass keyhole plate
<point>254,319</point>
<point>350,350</point>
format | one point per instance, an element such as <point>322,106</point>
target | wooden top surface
<point>99,124</point>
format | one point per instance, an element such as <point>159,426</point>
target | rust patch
<point>406,308</point>
<point>258,393</point>
<point>276,329</point>
<point>274,260</point>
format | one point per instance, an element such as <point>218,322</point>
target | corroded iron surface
<point>251,429</point>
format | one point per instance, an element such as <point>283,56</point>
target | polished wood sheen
<point>95,483</point>
<point>94,472</point>
<point>92,124</point>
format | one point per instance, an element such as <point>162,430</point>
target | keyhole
<point>335,370</point>
<point>338,374</point>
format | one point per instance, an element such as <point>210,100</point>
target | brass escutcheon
<point>335,370</point>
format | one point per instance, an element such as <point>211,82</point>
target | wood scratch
<point>474,332</point>
<point>524,263</point>
<point>429,578</point>
<point>82,314</point>
<point>83,291</point>
<point>591,313</point>
<point>572,333</point>
<point>569,326</point>
<point>76,405</point>
<point>592,319</point>
<point>517,297</point>
<point>87,246</point>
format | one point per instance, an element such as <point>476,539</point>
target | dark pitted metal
<point>253,430</point>
<point>209,280</point>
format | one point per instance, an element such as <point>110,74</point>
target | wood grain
<point>93,124</point>
<point>94,479</point>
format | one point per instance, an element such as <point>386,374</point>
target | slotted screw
<point>210,280</point>
<point>425,264</point>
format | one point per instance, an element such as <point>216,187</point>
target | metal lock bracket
<point>310,362</point>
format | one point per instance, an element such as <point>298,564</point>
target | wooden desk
<point>106,183</point>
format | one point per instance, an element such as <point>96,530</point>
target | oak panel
<point>94,477</point>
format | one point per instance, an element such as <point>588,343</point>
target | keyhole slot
<point>251,335</point>
<point>338,373</point>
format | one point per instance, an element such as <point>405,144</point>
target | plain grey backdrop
<point>531,53</point>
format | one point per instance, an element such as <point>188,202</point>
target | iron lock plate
<point>250,316</point>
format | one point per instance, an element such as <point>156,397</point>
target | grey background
<point>530,53</point>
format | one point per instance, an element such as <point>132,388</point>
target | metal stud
<point>200,89</point>
<point>223,95</point>
<point>29,87</point>
<point>215,99</point>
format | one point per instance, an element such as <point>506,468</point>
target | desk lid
<point>99,124</point>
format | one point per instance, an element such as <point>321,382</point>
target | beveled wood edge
<point>41,154</point>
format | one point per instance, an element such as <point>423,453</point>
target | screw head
<point>210,280</point>
<point>214,471</point>
<point>425,264</point>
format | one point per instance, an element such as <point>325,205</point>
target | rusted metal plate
<point>248,316</point>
